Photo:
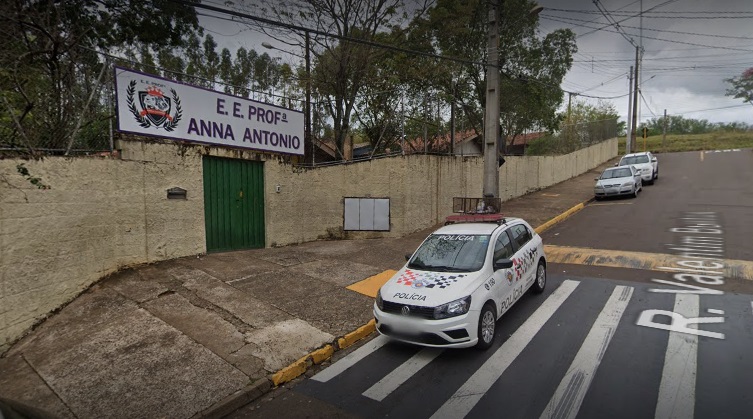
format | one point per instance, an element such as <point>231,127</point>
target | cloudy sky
<point>690,47</point>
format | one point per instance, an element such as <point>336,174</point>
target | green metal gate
<point>233,203</point>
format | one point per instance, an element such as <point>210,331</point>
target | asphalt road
<point>600,342</point>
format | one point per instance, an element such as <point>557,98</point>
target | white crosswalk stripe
<point>351,359</point>
<point>572,389</point>
<point>401,374</point>
<point>471,392</point>
<point>677,384</point>
<point>677,388</point>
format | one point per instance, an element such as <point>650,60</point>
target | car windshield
<point>615,173</point>
<point>634,160</point>
<point>451,253</point>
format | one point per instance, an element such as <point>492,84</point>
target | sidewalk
<point>187,337</point>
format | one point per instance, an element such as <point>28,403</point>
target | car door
<point>526,255</point>
<point>503,280</point>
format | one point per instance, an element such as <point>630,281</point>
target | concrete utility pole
<point>630,113</point>
<point>491,124</point>
<point>635,103</point>
<point>307,141</point>
<point>452,120</point>
<point>664,131</point>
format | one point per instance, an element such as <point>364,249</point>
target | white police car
<point>457,284</point>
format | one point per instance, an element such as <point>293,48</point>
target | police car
<point>457,284</point>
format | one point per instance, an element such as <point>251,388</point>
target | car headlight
<point>599,187</point>
<point>453,308</point>
<point>379,301</point>
<point>627,184</point>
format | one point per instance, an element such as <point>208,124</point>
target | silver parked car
<point>646,164</point>
<point>620,180</point>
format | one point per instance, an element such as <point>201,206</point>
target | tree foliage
<point>742,86</point>
<point>532,68</point>
<point>340,65</point>
<point>677,124</point>
<point>52,68</point>
<point>582,125</point>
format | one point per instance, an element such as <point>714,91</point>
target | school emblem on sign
<point>154,107</point>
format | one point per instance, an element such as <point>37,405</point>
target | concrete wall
<point>99,215</point>
<point>102,214</point>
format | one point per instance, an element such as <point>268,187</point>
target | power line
<point>646,103</point>
<point>299,28</point>
<point>614,23</point>
<point>656,39</point>
<point>606,82</point>
<point>746,38</point>
<point>710,109</point>
<point>632,16</point>
<point>668,14</point>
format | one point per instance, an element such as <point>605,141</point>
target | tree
<point>54,67</point>
<point>742,86</point>
<point>532,68</point>
<point>339,64</point>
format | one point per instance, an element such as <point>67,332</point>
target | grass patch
<point>691,142</point>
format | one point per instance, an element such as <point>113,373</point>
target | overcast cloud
<point>681,72</point>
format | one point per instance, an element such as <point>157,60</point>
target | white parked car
<point>457,284</point>
<point>621,180</point>
<point>645,162</point>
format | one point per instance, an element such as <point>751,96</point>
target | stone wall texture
<point>100,215</point>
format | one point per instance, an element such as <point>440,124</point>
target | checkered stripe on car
<point>428,280</point>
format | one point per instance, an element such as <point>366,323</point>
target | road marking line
<point>465,398</point>
<point>677,388</point>
<point>659,262</point>
<point>702,153</point>
<point>572,389</point>
<point>351,359</point>
<point>401,374</point>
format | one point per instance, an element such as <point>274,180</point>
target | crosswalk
<point>577,329</point>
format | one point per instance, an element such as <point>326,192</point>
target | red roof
<point>524,139</point>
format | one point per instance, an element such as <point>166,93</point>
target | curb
<point>236,400</point>
<point>250,393</point>
<point>296,369</point>
<point>542,228</point>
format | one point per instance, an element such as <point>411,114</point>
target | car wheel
<point>487,323</point>
<point>656,174</point>
<point>635,191</point>
<point>540,284</point>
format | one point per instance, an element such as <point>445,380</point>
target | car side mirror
<point>653,159</point>
<point>502,264</point>
<point>407,256</point>
<point>616,164</point>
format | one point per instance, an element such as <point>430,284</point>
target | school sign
<point>154,106</point>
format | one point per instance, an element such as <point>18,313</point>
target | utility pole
<point>664,131</point>
<point>426,117</point>
<point>452,120</point>
<point>630,113</point>
<point>402,123</point>
<point>307,142</point>
<point>491,124</point>
<point>635,102</point>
